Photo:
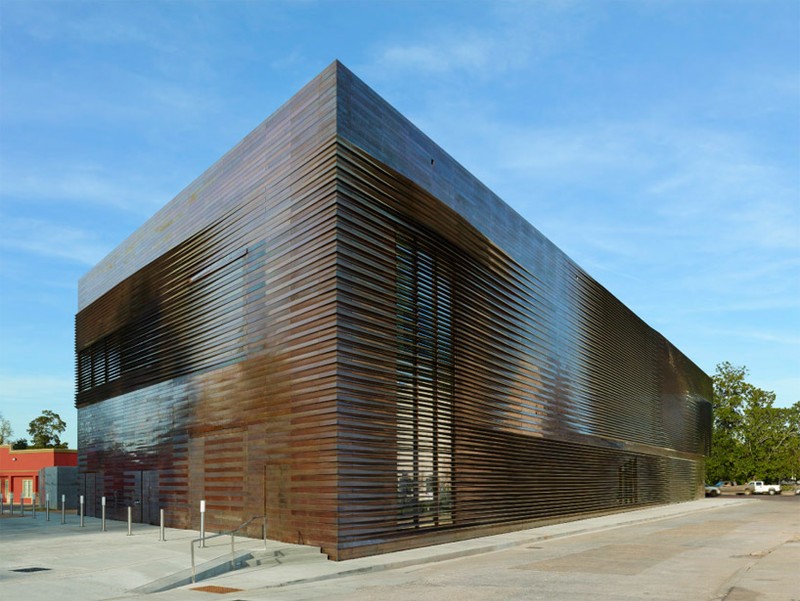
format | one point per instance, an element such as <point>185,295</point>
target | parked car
<point>757,487</point>
<point>730,487</point>
<point>712,491</point>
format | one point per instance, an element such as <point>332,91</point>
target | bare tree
<point>5,430</point>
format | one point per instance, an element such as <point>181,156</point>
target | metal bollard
<point>203,523</point>
<point>47,506</point>
<point>11,501</point>
<point>130,520</point>
<point>103,514</point>
<point>81,511</point>
<point>33,502</point>
<point>2,502</point>
<point>63,509</point>
<point>161,536</point>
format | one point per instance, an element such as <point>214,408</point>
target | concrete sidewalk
<point>54,561</point>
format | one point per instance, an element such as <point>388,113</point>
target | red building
<point>19,470</point>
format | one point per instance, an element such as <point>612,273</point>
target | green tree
<point>752,438</point>
<point>45,431</point>
<point>788,460</point>
<point>5,430</point>
<point>730,392</point>
<point>20,444</point>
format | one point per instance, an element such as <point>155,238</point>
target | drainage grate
<point>31,570</point>
<point>216,589</point>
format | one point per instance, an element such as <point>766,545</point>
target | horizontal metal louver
<point>321,329</point>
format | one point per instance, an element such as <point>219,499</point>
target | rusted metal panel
<point>478,394</point>
<point>343,329</point>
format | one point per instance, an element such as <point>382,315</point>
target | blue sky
<point>656,142</point>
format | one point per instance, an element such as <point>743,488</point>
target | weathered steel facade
<point>339,327</point>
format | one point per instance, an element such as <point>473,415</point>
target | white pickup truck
<point>757,487</point>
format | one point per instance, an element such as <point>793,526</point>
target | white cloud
<point>468,52</point>
<point>99,25</point>
<point>693,183</point>
<point>590,149</point>
<point>511,36</point>
<point>80,183</point>
<point>51,240</point>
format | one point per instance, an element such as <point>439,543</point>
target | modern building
<point>20,477</point>
<point>58,486</point>
<point>340,328</point>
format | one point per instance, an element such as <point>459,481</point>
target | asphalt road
<point>745,551</point>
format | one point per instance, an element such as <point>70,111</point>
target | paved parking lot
<point>743,550</point>
<point>731,548</point>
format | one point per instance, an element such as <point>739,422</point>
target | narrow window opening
<point>425,386</point>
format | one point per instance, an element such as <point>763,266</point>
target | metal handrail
<point>232,534</point>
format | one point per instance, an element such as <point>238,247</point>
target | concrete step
<point>275,554</point>
<point>286,555</point>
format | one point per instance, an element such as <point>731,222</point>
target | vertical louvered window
<point>425,385</point>
<point>629,482</point>
<point>99,373</point>
<point>85,369</point>
<point>99,363</point>
<point>112,359</point>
